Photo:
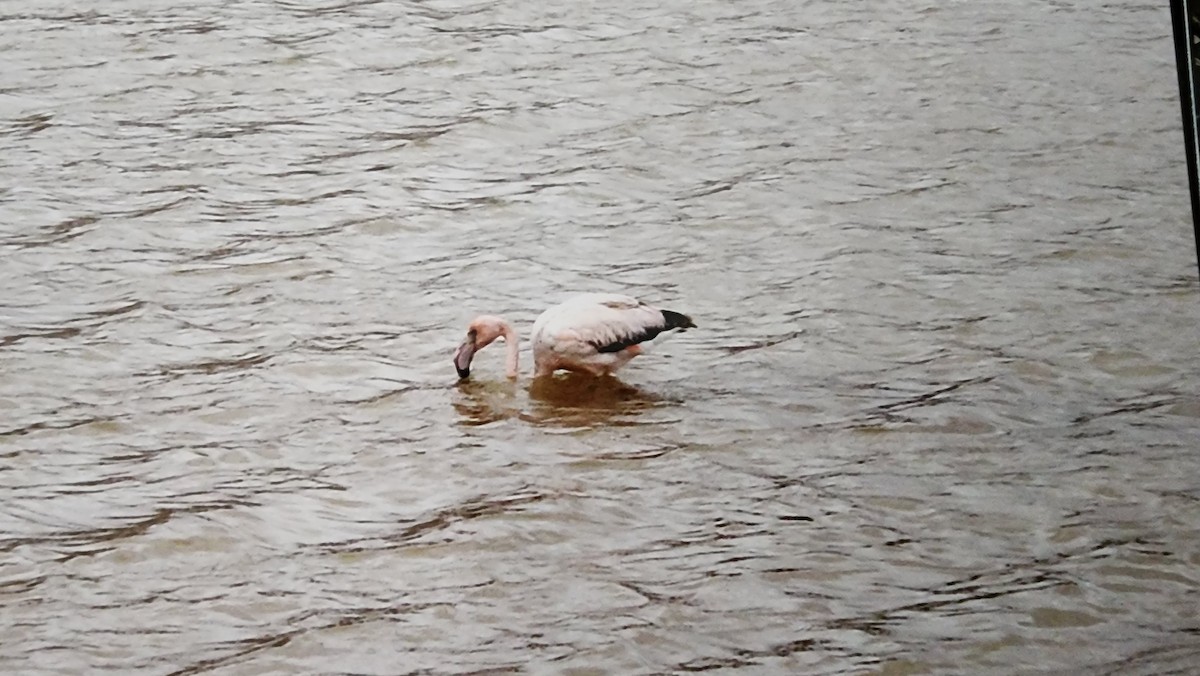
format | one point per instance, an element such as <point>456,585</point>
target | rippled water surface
<point>940,414</point>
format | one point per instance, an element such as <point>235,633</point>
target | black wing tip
<point>676,320</point>
<point>672,320</point>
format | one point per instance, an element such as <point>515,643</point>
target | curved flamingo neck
<point>512,346</point>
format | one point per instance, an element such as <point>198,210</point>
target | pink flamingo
<point>594,333</point>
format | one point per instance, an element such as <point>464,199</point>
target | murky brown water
<point>940,416</point>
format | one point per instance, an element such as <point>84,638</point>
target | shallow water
<point>939,415</point>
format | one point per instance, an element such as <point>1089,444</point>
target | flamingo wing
<point>595,331</point>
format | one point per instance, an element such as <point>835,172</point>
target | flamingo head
<point>480,333</point>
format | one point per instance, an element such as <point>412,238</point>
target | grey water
<point>940,414</point>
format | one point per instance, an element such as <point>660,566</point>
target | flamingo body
<point>594,333</point>
<point>597,333</point>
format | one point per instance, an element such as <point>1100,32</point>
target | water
<point>939,415</point>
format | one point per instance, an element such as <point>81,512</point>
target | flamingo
<point>594,333</point>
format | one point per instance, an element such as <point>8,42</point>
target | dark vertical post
<point>1185,16</point>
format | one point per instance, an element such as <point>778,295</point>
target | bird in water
<point>594,333</point>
